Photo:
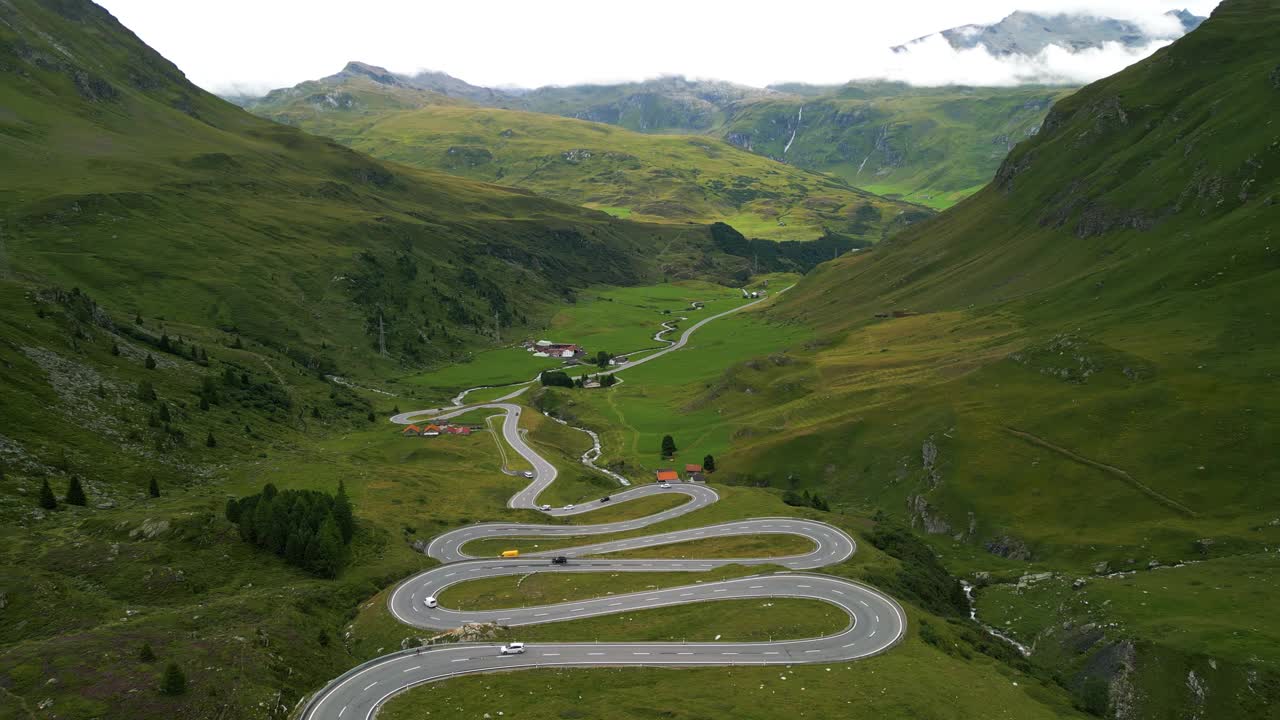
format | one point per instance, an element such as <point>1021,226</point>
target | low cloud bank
<point>933,61</point>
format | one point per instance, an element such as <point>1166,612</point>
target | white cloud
<point>934,62</point>
<point>222,44</point>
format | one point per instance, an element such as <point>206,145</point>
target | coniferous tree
<point>371,416</point>
<point>269,491</point>
<point>323,638</point>
<point>233,510</point>
<point>164,414</point>
<point>709,464</point>
<point>47,500</point>
<point>150,362</point>
<point>115,349</point>
<point>146,654</point>
<point>204,402</point>
<point>211,441</point>
<point>146,391</point>
<point>174,681</point>
<point>154,488</point>
<point>329,551</point>
<point>75,492</point>
<point>668,446</point>
<point>344,515</point>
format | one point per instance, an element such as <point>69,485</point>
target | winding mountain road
<point>876,621</point>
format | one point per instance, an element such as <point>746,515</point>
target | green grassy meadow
<point>653,178</point>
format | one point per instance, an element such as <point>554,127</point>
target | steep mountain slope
<point>932,146</point>
<point>1028,33</point>
<point>1073,372</point>
<point>655,178</point>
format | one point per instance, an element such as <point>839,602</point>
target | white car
<point>431,601</point>
<point>528,474</point>
<point>569,506</point>
<point>544,507</point>
<point>665,485</point>
<point>515,648</point>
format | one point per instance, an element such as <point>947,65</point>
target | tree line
<point>310,529</point>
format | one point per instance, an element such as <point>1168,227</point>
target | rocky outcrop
<point>929,458</point>
<point>922,516</point>
<point>1007,546</point>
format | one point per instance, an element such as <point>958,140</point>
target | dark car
<point>560,560</point>
<point>606,498</point>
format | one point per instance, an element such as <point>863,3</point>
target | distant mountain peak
<point>1028,33</point>
<point>380,75</point>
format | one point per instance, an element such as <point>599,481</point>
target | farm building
<point>697,477</point>
<point>546,348</point>
<point>668,476</point>
<point>693,468</point>
<point>434,430</point>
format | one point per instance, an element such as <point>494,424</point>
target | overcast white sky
<point>260,44</point>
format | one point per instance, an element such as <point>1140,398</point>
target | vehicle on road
<point>544,507</point>
<point>560,560</point>
<point>569,506</point>
<point>431,601</point>
<point>510,553</point>
<point>606,498</point>
<point>515,648</point>
<point>528,474</point>
<point>665,485</point>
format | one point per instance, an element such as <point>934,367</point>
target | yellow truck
<point>510,553</point>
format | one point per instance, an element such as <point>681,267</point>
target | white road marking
<point>366,687</point>
<point>415,667</point>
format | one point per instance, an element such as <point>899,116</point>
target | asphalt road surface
<point>876,621</point>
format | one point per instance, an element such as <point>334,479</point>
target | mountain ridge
<point>1029,33</point>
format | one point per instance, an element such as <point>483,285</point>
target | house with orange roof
<point>692,469</point>
<point>430,430</point>
<point>411,430</point>
<point>668,476</point>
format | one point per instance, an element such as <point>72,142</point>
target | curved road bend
<point>408,417</point>
<point>876,621</point>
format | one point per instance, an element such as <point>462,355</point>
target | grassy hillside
<point>127,181</point>
<point>1087,384</point>
<point>659,178</point>
<point>928,146</point>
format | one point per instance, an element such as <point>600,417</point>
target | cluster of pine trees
<point>308,528</point>
<point>804,499</point>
